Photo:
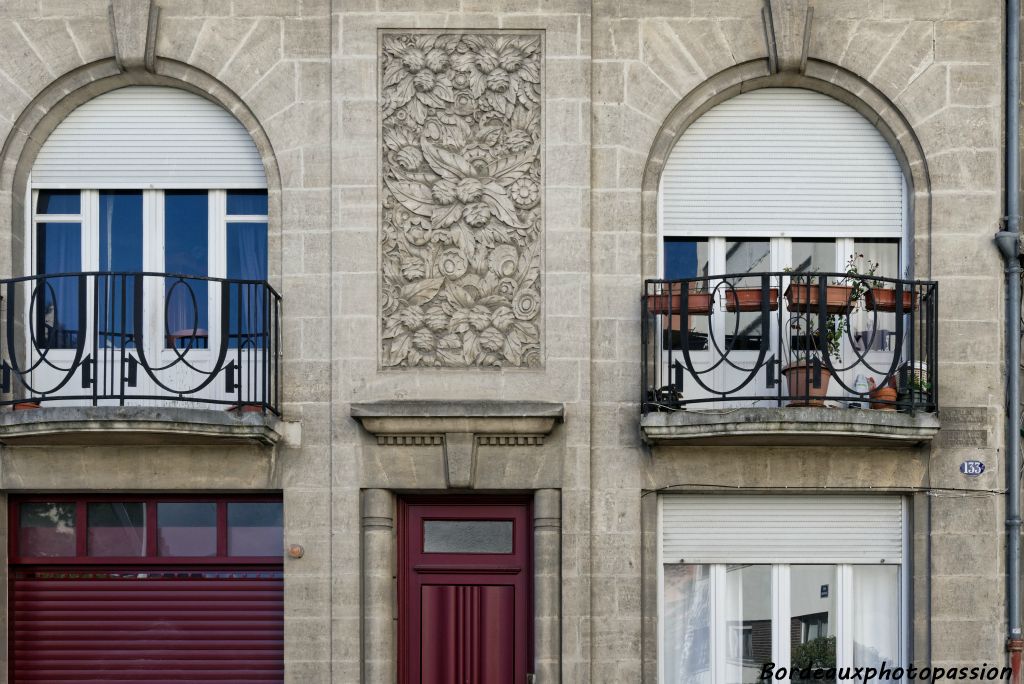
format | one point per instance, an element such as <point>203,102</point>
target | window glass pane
<point>875,330</point>
<point>247,251</point>
<point>55,300</point>
<point>686,258</point>
<point>748,614</point>
<point>186,245</point>
<point>46,529</point>
<point>247,260</point>
<point>59,202</point>
<point>743,328</point>
<point>120,229</point>
<point>117,529</point>
<point>255,529</point>
<point>186,529</point>
<point>876,622</point>
<point>247,202</point>
<point>687,621</point>
<point>815,255</point>
<point>885,253</point>
<point>467,536</point>
<point>813,619</point>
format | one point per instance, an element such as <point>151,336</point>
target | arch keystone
<point>133,25</point>
<point>787,30</point>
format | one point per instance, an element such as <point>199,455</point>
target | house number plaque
<point>972,468</point>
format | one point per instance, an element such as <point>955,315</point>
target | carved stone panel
<point>461,199</point>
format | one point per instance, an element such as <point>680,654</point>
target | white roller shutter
<point>143,136</point>
<point>782,529</point>
<point>782,162</point>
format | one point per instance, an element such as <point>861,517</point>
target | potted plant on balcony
<point>804,294</point>
<point>800,373</point>
<point>883,398</point>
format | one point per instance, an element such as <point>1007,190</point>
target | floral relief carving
<point>461,196</point>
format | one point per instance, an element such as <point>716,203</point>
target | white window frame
<point>780,602</point>
<point>153,257</point>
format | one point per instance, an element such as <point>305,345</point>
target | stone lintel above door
<point>459,426</point>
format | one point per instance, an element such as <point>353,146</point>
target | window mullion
<point>844,622</point>
<point>718,622</point>
<point>780,616</point>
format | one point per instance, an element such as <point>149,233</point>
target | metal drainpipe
<point>1008,240</point>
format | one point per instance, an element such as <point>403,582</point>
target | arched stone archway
<point>822,77</point>
<point>67,93</point>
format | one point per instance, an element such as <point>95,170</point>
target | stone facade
<point>463,199</point>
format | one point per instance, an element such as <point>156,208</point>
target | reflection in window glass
<point>875,330</point>
<point>743,328</point>
<point>813,617</point>
<point>59,202</point>
<point>56,310</point>
<point>46,529</point>
<point>748,614</point>
<point>120,231</point>
<point>885,253</point>
<point>117,529</point>
<point>255,529</point>
<point>186,245</point>
<point>247,202</point>
<point>876,625</point>
<point>467,536</point>
<point>686,258</point>
<point>687,624</point>
<point>815,255</point>
<point>187,529</point>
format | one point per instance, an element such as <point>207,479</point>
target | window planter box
<point>696,302</point>
<point>804,297</point>
<point>884,299</point>
<point>749,299</point>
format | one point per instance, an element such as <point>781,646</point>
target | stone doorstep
<point>807,426</point>
<point>136,425</point>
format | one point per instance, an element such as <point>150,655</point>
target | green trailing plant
<point>918,384</point>
<point>859,271</point>
<point>819,652</point>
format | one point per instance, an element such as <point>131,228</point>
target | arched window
<point>148,233</point>
<point>779,180</point>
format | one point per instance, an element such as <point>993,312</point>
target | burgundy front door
<point>465,583</point>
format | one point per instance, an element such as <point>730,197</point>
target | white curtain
<point>876,624</point>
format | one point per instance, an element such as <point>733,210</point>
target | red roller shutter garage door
<point>158,590</point>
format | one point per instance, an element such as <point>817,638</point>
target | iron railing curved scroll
<point>790,339</point>
<point>140,338</point>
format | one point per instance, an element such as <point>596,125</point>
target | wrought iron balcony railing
<point>790,339</point>
<point>155,339</point>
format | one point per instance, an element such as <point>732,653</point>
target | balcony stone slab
<point>790,426</point>
<point>136,425</point>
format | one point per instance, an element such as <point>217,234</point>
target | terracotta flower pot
<point>749,299</point>
<point>884,299</point>
<point>800,378</point>
<point>881,394</point>
<point>804,297</point>
<point>26,405</point>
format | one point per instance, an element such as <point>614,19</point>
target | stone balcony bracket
<point>141,425</point>
<point>790,426</point>
<point>459,426</point>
